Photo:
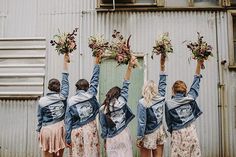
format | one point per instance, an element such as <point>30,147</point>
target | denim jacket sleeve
<point>40,119</point>
<point>162,85</point>
<point>103,125</point>
<point>125,89</point>
<point>167,117</point>
<point>94,80</point>
<point>65,85</point>
<point>142,118</point>
<point>68,125</point>
<point>194,89</point>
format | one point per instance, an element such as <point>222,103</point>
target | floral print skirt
<point>85,141</point>
<point>120,145</point>
<point>185,143</point>
<point>158,137</point>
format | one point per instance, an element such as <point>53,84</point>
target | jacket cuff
<point>126,82</point>
<point>198,76</point>
<point>68,141</point>
<point>38,129</point>
<point>96,66</point>
<point>65,73</point>
<point>163,73</point>
<point>140,137</point>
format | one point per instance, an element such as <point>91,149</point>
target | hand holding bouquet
<point>98,45</point>
<point>119,49</point>
<point>163,46</point>
<point>65,42</point>
<point>200,49</point>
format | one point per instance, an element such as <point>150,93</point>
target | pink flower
<point>120,58</point>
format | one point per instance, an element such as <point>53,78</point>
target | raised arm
<point>125,88</point>
<point>95,77</point>
<point>162,80</point>
<point>194,89</point>
<point>65,82</point>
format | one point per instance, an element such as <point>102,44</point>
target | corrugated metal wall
<point>18,137</point>
<point>43,18</point>
<point>22,66</point>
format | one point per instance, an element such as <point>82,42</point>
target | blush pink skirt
<point>52,137</point>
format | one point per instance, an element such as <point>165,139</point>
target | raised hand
<point>66,58</point>
<point>133,61</point>
<point>98,57</point>
<point>199,65</point>
<point>162,62</point>
<point>66,61</point>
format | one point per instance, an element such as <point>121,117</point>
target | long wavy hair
<point>111,96</point>
<point>149,91</point>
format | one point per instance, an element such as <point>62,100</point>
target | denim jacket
<point>51,108</point>
<point>82,107</point>
<point>150,117</point>
<point>182,110</point>
<point>120,114</point>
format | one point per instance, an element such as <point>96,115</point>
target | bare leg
<point>47,154</point>
<point>60,153</point>
<point>158,152</point>
<point>145,152</point>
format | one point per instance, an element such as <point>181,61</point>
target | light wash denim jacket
<point>51,108</point>
<point>120,114</point>
<point>150,117</point>
<point>181,110</point>
<point>83,107</point>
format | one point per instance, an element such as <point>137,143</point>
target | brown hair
<point>179,87</point>
<point>111,94</point>
<point>82,84</point>
<point>114,92</point>
<point>54,85</point>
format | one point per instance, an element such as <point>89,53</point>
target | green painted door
<point>111,75</point>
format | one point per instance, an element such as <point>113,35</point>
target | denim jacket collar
<point>80,91</point>
<point>178,95</point>
<point>51,93</point>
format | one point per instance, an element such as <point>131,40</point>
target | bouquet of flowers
<point>163,46</point>
<point>98,45</point>
<point>119,48</point>
<point>200,49</point>
<point>65,42</point>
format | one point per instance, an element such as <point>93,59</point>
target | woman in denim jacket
<point>51,112</point>
<point>114,116</point>
<point>150,131</point>
<point>181,111</point>
<point>81,127</point>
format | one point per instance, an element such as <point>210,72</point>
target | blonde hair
<point>149,91</point>
<point>179,87</point>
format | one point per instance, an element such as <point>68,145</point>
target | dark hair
<point>54,85</point>
<point>113,93</point>
<point>82,84</point>
<point>179,87</point>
